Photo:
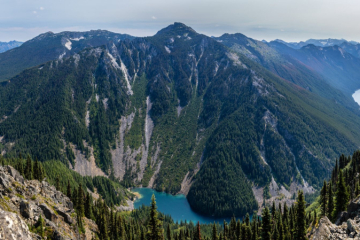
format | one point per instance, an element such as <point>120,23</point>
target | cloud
<point>42,8</point>
<point>34,12</point>
<point>153,17</point>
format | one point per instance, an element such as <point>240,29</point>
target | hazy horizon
<point>291,21</point>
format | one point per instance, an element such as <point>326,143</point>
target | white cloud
<point>34,12</point>
<point>153,17</point>
<point>42,8</point>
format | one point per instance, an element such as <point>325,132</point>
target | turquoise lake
<point>176,206</point>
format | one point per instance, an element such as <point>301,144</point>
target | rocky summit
<point>22,202</point>
<point>347,225</point>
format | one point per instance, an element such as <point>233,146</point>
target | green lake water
<point>177,206</point>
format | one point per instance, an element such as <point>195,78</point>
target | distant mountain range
<point>4,46</point>
<point>230,121</point>
<point>317,42</point>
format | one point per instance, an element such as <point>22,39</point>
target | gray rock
<point>26,210</point>
<point>352,226</point>
<point>15,174</point>
<point>341,217</point>
<point>49,214</point>
<point>57,236</point>
<point>66,216</point>
<point>13,227</point>
<point>4,182</point>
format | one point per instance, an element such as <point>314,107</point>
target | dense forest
<point>276,222</point>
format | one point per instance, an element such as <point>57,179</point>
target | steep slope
<point>338,67</point>
<point>51,46</point>
<point>178,112</point>
<point>286,67</point>
<point>4,46</point>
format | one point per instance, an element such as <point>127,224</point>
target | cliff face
<point>22,202</point>
<point>347,225</point>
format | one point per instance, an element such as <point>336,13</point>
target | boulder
<point>323,232</point>
<point>26,210</point>
<point>48,213</point>
<point>352,227</point>
<point>342,217</point>
<point>15,174</point>
<point>66,216</point>
<point>13,227</point>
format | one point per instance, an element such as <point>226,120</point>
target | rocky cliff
<point>22,202</point>
<point>347,225</point>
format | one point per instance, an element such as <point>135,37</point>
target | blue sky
<point>289,20</point>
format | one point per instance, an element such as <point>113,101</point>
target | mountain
<point>182,113</point>
<point>317,42</point>
<point>353,49</point>
<point>338,67</point>
<point>287,67</point>
<point>4,46</point>
<point>50,46</point>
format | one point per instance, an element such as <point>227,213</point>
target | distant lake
<point>356,96</point>
<point>177,206</point>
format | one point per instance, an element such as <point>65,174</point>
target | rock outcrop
<point>22,202</point>
<point>347,225</point>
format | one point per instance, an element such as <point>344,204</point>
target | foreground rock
<point>347,226</point>
<point>22,202</point>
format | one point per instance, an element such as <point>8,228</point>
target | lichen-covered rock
<point>12,227</point>
<point>22,202</point>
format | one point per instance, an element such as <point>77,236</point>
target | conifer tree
<point>197,235</point>
<point>68,191</point>
<point>155,230</point>
<point>80,203</point>
<point>36,170</point>
<point>300,229</point>
<point>28,168</point>
<point>331,204</point>
<point>238,230</point>
<point>88,206</point>
<point>168,232</point>
<point>266,225</point>
<point>214,235</point>
<point>323,199</point>
<point>40,224</point>
<point>342,195</point>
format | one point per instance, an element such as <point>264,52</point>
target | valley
<point>232,123</point>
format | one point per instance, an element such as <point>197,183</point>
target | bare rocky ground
<point>22,202</point>
<point>347,226</point>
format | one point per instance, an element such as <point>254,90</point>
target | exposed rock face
<point>22,202</point>
<point>347,226</point>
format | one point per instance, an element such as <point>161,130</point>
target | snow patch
<point>41,68</point>
<point>171,40</point>
<point>167,49</point>
<point>68,45</point>
<point>77,39</point>
<point>62,55</point>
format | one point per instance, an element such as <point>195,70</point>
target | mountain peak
<point>176,29</point>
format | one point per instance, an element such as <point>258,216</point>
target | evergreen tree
<point>197,235</point>
<point>342,195</point>
<point>300,230</point>
<point>266,225</point>
<point>36,170</point>
<point>28,168</point>
<point>323,199</point>
<point>68,192</point>
<point>40,224</point>
<point>168,232</point>
<point>57,183</point>
<point>88,206</point>
<point>331,204</point>
<point>80,202</point>
<point>155,230</point>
